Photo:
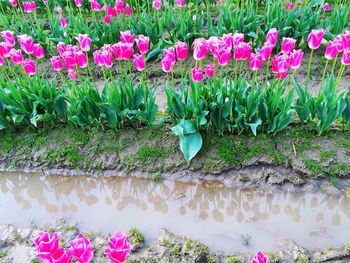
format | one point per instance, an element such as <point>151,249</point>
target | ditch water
<point>210,213</point>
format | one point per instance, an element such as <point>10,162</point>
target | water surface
<point>210,213</point>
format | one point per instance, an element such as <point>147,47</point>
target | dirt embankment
<point>295,157</point>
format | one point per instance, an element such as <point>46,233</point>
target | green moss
<point>187,246</point>
<point>156,177</point>
<point>136,237</point>
<point>327,154</point>
<point>176,251</point>
<point>231,259</point>
<point>149,154</point>
<point>279,158</point>
<point>2,254</point>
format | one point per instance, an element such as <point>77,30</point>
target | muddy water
<point>210,213</point>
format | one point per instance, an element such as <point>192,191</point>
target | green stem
<point>309,68</point>
<point>334,63</point>
<point>324,73</point>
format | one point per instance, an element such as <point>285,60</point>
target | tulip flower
<point>242,51</point>
<point>128,10</point>
<point>16,56</point>
<point>139,62</point>
<point>180,3</point>
<point>28,7</point>
<point>255,61</point>
<point>63,22</point>
<point>107,19</point>
<point>58,9</point>
<point>345,59</point>
<point>61,48</point>
<point>80,59</point>
<point>119,248</point>
<point>84,42</point>
<point>224,56</point>
<point>209,70</point>
<point>166,64</point>
<point>197,74</point>
<point>107,59</point>
<point>56,63</point>
<point>288,45</point>
<point>4,49</point>
<point>331,50</point>
<point>69,60</point>
<point>7,37</point>
<point>127,50</point>
<point>111,11</point>
<point>95,6</point>
<point>126,37</point>
<point>97,58</point>
<point>200,48</point>
<point>72,75</point>
<point>266,50</point>
<point>142,44</point>
<point>157,4</point>
<point>296,58</point>
<point>81,249</point>
<point>49,249</point>
<point>78,3</point>
<point>13,2</point>
<point>2,61</point>
<point>26,43</point>
<point>181,49</point>
<point>194,17</point>
<point>237,38</point>
<point>260,257</point>
<point>170,53</point>
<point>228,39</point>
<point>280,64</point>
<point>119,6</point>
<point>325,6</point>
<point>272,36</point>
<point>289,6</point>
<point>346,40</point>
<point>315,38</point>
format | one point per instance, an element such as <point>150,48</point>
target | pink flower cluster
<point>119,8</point>
<point>340,45</point>
<point>81,249</point>
<point>170,55</point>
<point>28,7</point>
<point>260,257</point>
<point>26,44</point>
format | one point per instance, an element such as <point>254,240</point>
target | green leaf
<point>190,145</point>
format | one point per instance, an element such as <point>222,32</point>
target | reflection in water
<point>208,212</point>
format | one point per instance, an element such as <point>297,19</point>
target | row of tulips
<point>175,26</point>
<point>81,249</point>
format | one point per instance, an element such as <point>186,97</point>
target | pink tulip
<point>288,45</point>
<point>266,51</point>
<point>78,3</point>
<point>2,61</point>
<point>56,63</point>
<point>181,49</point>
<point>45,1</point>
<point>346,39</point>
<point>72,75</point>
<point>345,59</point>
<point>139,62</point>
<point>127,50</point>
<point>13,2</point>
<point>58,9</point>
<point>224,56</point>
<point>170,53</point>
<point>126,37</point>
<point>242,51</point>
<point>331,50</point>
<point>296,58</point>
<point>97,58</point>
<point>119,248</point>
<point>107,59</point>
<point>237,38</point>
<point>197,74</point>
<point>49,249</point>
<point>119,6</point>
<point>128,10</point>
<point>63,22</point>
<point>255,61</point>
<point>16,56</point>
<point>95,6</point>
<point>209,70</point>
<point>180,3</point>
<point>38,51</point>
<point>111,11</point>
<point>289,6</point>
<point>194,17</point>
<point>142,44</point>
<point>26,43</point>
<point>107,19</point>
<point>166,64</point>
<point>315,38</point>
<point>338,41</point>
<point>29,6</point>
<point>272,36</point>
<point>4,49</point>
<point>325,6</point>
<point>7,37</point>
<point>80,59</point>
<point>260,257</point>
<point>228,39</point>
<point>157,4</point>
<point>69,60</point>
<point>200,48</point>
<point>280,64</point>
<point>81,249</point>
<point>84,42</point>
<point>61,48</point>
